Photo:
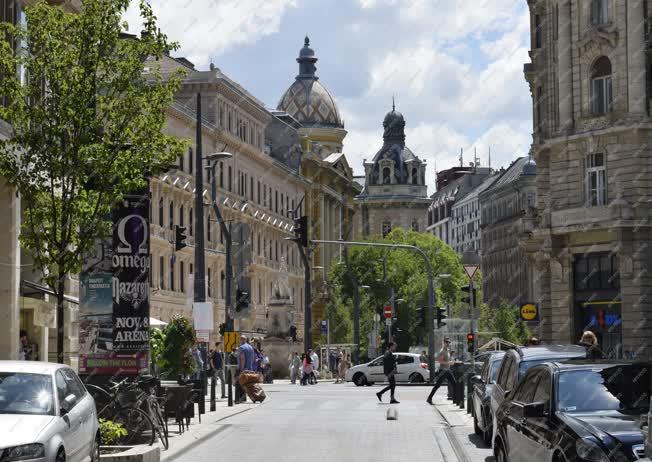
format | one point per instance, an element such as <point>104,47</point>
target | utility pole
<point>200,265</point>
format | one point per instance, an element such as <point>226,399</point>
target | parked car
<point>409,366</point>
<point>481,395</point>
<point>516,363</point>
<point>46,414</point>
<point>575,411</point>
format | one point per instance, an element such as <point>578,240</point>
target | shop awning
<point>153,322</point>
<point>46,290</point>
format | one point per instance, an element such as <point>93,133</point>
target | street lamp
<point>226,232</point>
<point>471,262</point>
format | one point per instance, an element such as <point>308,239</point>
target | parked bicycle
<point>132,405</point>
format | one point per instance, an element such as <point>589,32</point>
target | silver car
<point>46,414</point>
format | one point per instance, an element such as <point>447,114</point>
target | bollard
<point>460,387</point>
<point>230,385</point>
<point>213,385</point>
<point>469,395</point>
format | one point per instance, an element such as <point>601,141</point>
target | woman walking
<point>343,366</point>
<point>295,367</point>
<point>307,369</point>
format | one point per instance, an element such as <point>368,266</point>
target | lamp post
<point>471,262</point>
<point>226,232</point>
<point>356,319</point>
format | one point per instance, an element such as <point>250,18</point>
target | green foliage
<point>504,321</point>
<point>405,272</point>
<point>111,432</point>
<point>175,358</point>
<point>156,345</point>
<point>87,124</point>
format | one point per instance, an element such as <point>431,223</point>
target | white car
<point>46,414</point>
<point>409,367</point>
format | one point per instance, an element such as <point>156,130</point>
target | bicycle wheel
<point>159,422</point>
<point>138,425</point>
<point>103,401</point>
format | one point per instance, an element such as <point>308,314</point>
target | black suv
<point>516,362</point>
<point>575,411</point>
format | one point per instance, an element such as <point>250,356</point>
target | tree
<point>405,271</point>
<point>87,126</point>
<point>504,322</point>
<point>175,358</point>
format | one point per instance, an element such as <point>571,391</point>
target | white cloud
<point>207,28</point>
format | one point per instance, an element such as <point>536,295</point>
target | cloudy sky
<point>455,66</point>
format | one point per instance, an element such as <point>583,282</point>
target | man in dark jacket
<point>389,368</point>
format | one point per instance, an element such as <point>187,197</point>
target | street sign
<point>470,270</point>
<point>323,326</point>
<point>231,341</point>
<point>387,311</point>
<point>376,317</point>
<point>202,336</point>
<point>388,322</point>
<point>529,312</point>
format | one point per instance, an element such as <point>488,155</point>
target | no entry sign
<point>387,311</point>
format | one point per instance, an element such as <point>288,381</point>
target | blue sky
<point>455,66</point>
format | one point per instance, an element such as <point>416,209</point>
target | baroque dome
<point>307,100</point>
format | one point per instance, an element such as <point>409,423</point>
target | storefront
<point>597,300</point>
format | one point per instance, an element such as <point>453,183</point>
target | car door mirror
<point>475,379</point>
<point>68,403</point>
<point>534,410</point>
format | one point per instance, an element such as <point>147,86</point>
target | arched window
<point>387,175</point>
<point>415,176</point>
<point>160,212</point>
<point>601,94</point>
<point>599,12</point>
<point>171,215</point>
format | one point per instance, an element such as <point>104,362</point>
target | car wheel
<point>416,378</point>
<point>359,379</point>
<point>499,453</point>
<point>95,453</point>
<point>476,427</point>
<point>61,456</point>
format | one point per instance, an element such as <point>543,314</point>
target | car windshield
<point>621,388</point>
<point>22,393</point>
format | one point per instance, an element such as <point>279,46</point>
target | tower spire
<point>461,157</point>
<point>489,158</point>
<point>393,104</point>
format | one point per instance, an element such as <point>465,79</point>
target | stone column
<point>565,68</point>
<point>635,57</point>
<point>9,272</point>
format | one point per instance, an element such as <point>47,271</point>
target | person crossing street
<point>444,373</point>
<point>389,368</point>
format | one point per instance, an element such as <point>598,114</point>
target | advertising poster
<point>114,295</point>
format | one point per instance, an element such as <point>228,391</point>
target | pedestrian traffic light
<point>440,318</point>
<point>241,300</point>
<point>301,230</point>
<point>180,237</point>
<point>470,342</point>
<point>222,329</point>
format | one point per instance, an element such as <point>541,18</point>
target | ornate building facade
<point>395,192</point>
<point>591,87</point>
<point>329,197</point>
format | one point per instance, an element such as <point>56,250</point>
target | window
<point>190,222</point>
<point>506,373</point>
<point>259,253</point>
<point>181,162</point>
<point>525,391</point>
<point>258,193</point>
<point>415,176</point>
<point>172,273</point>
<point>210,283</point>
<point>387,228</point>
<point>276,201</point>
<point>182,276</point>
<point>190,160</point>
<point>209,226</point>
<point>265,195</point>
<point>251,188</point>
<point>543,392</point>
<point>181,213</point>
<point>599,12</point>
<point>171,215</point>
<point>596,183</point>
<point>160,212</point>
<point>282,205</point>
<point>230,178</point>
<point>404,359</point>
<point>222,175</point>
<point>601,86</point>
<point>161,272</point>
<point>537,31</point>
<point>539,106</point>
<point>386,175</point>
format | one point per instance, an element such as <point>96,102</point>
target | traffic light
<point>440,318</point>
<point>470,342</point>
<point>241,300</point>
<point>301,230</point>
<point>421,317</point>
<point>180,237</point>
<point>222,329</point>
<point>466,299</point>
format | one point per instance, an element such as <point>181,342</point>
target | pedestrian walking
<point>295,367</point>
<point>315,365</point>
<point>217,364</point>
<point>423,358</point>
<point>389,369</point>
<point>307,370</point>
<point>245,363</point>
<point>198,362</point>
<point>590,342</point>
<point>444,373</point>
<point>343,367</point>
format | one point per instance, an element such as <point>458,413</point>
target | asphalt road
<point>328,422</point>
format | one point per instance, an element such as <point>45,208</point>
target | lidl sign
<point>529,312</point>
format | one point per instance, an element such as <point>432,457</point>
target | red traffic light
<point>470,337</point>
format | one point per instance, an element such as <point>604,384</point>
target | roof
<point>360,179</point>
<point>579,364</point>
<point>520,167</point>
<point>476,192</point>
<point>30,367</point>
<point>551,351</point>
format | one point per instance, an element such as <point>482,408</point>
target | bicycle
<point>115,408</point>
<point>148,402</point>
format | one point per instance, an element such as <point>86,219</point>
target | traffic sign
<point>387,311</point>
<point>376,317</point>
<point>231,341</point>
<point>324,326</point>
<point>470,270</point>
<point>388,322</point>
<point>529,312</point>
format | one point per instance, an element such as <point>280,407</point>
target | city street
<point>329,422</point>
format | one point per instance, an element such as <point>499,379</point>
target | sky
<point>455,67</point>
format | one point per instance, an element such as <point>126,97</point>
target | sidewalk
<point>197,432</point>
